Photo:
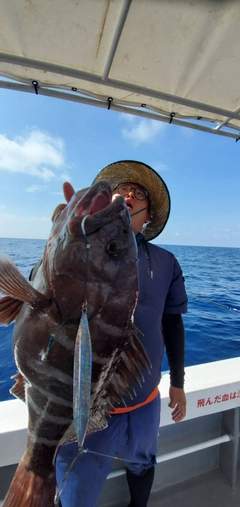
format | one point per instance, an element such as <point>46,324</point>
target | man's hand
<point>68,192</point>
<point>178,403</point>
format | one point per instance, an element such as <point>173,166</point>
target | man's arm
<point>68,192</point>
<point>174,339</point>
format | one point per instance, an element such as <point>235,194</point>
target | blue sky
<point>46,141</point>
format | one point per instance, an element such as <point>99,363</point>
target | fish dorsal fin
<point>125,369</point>
<point>18,390</point>
<point>9,309</point>
<point>13,284</point>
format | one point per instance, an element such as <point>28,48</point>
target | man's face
<point>137,203</point>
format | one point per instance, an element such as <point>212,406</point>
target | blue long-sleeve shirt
<point>161,292</point>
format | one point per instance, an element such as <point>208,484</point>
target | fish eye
<point>113,248</point>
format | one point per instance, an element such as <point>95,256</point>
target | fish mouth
<point>98,205</point>
<point>100,202</point>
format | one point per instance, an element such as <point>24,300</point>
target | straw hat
<point>132,171</point>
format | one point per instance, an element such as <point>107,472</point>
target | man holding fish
<point>133,426</point>
<point>88,357</point>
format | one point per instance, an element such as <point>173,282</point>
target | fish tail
<point>30,490</point>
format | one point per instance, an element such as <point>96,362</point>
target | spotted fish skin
<point>105,275</point>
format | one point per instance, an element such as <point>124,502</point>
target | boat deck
<point>208,490</point>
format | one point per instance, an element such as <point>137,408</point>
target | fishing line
<point>109,456</point>
<point>63,483</point>
<point>80,452</point>
<point>231,308</point>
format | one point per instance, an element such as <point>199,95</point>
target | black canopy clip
<point>171,117</point>
<point>35,84</point>
<point>110,99</point>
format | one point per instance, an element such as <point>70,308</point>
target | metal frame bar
<point>228,443</point>
<point>73,97</point>
<point>180,452</point>
<point>228,457</point>
<point>116,38</point>
<point>113,83</point>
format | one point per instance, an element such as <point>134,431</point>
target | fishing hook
<point>84,232</point>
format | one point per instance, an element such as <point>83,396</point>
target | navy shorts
<point>131,436</point>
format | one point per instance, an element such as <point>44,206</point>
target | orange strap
<point>129,409</point>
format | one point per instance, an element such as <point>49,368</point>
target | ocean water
<point>212,324</point>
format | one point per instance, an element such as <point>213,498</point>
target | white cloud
<point>128,118</point>
<point>34,188</point>
<point>36,154</point>
<point>140,131</point>
<point>65,177</point>
<point>159,167</point>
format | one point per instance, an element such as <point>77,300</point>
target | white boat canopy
<point>175,61</point>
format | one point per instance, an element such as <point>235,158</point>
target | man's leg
<point>140,487</point>
<point>142,447</point>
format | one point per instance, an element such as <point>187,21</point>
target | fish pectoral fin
<point>9,309</point>
<point>97,422</point>
<point>18,390</point>
<point>126,368</point>
<point>13,284</point>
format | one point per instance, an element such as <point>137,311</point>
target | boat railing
<point>206,439</point>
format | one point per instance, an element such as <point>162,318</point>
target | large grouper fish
<point>73,334</point>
